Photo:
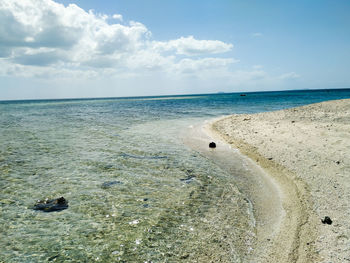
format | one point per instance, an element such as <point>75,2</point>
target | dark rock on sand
<point>212,145</point>
<point>52,205</point>
<point>327,220</point>
<point>109,184</point>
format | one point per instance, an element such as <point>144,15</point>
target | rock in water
<point>188,179</point>
<point>212,145</point>
<point>109,184</point>
<point>327,220</point>
<point>52,205</point>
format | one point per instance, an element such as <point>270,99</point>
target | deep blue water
<point>195,105</point>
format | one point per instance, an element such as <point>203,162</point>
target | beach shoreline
<point>255,185</point>
<point>279,242</point>
<point>303,150</point>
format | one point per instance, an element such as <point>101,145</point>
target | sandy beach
<point>305,151</point>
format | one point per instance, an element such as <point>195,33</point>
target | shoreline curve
<point>280,204</point>
<point>294,239</point>
<point>305,149</point>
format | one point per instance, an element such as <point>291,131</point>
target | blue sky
<point>135,47</point>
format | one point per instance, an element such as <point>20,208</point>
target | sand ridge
<point>306,151</point>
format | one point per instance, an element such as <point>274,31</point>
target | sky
<point>105,48</point>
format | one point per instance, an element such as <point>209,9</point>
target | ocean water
<point>136,192</point>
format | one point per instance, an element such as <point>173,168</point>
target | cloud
<point>257,34</point>
<point>44,58</point>
<point>191,46</point>
<point>117,17</point>
<point>201,65</point>
<point>28,28</point>
<point>254,76</point>
<point>289,75</point>
<point>39,24</point>
<point>43,33</point>
<point>47,40</point>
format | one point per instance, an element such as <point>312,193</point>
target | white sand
<point>306,151</point>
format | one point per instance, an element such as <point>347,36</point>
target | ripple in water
<point>135,192</point>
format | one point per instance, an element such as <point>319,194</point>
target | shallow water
<point>136,193</point>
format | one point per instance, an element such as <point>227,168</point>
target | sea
<point>136,192</point>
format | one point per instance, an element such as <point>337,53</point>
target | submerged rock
<point>126,155</point>
<point>52,205</point>
<point>53,257</point>
<point>188,179</point>
<point>212,145</point>
<point>109,184</point>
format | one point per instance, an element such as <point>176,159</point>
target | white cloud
<point>249,76</point>
<point>257,34</point>
<point>29,28</point>
<point>149,60</point>
<point>202,65</point>
<point>191,46</point>
<point>43,33</point>
<point>46,40</point>
<point>118,17</point>
<point>289,75</point>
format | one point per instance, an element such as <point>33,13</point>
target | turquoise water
<point>136,193</point>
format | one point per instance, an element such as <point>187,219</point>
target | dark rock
<point>109,184</point>
<point>188,179</point>
<point>212,145</point>
<point>186,256</point>
<point>53,205</point>
<point>326,220</point>
<point>141,157</point>
<point>52,258</point>
<point>108,166</point>
<point>337,162</point>
<point>243,95</point>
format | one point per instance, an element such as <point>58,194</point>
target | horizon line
<point>170,95</point>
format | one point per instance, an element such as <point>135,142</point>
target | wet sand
<point>261,190</point>
<point>305,153</point>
